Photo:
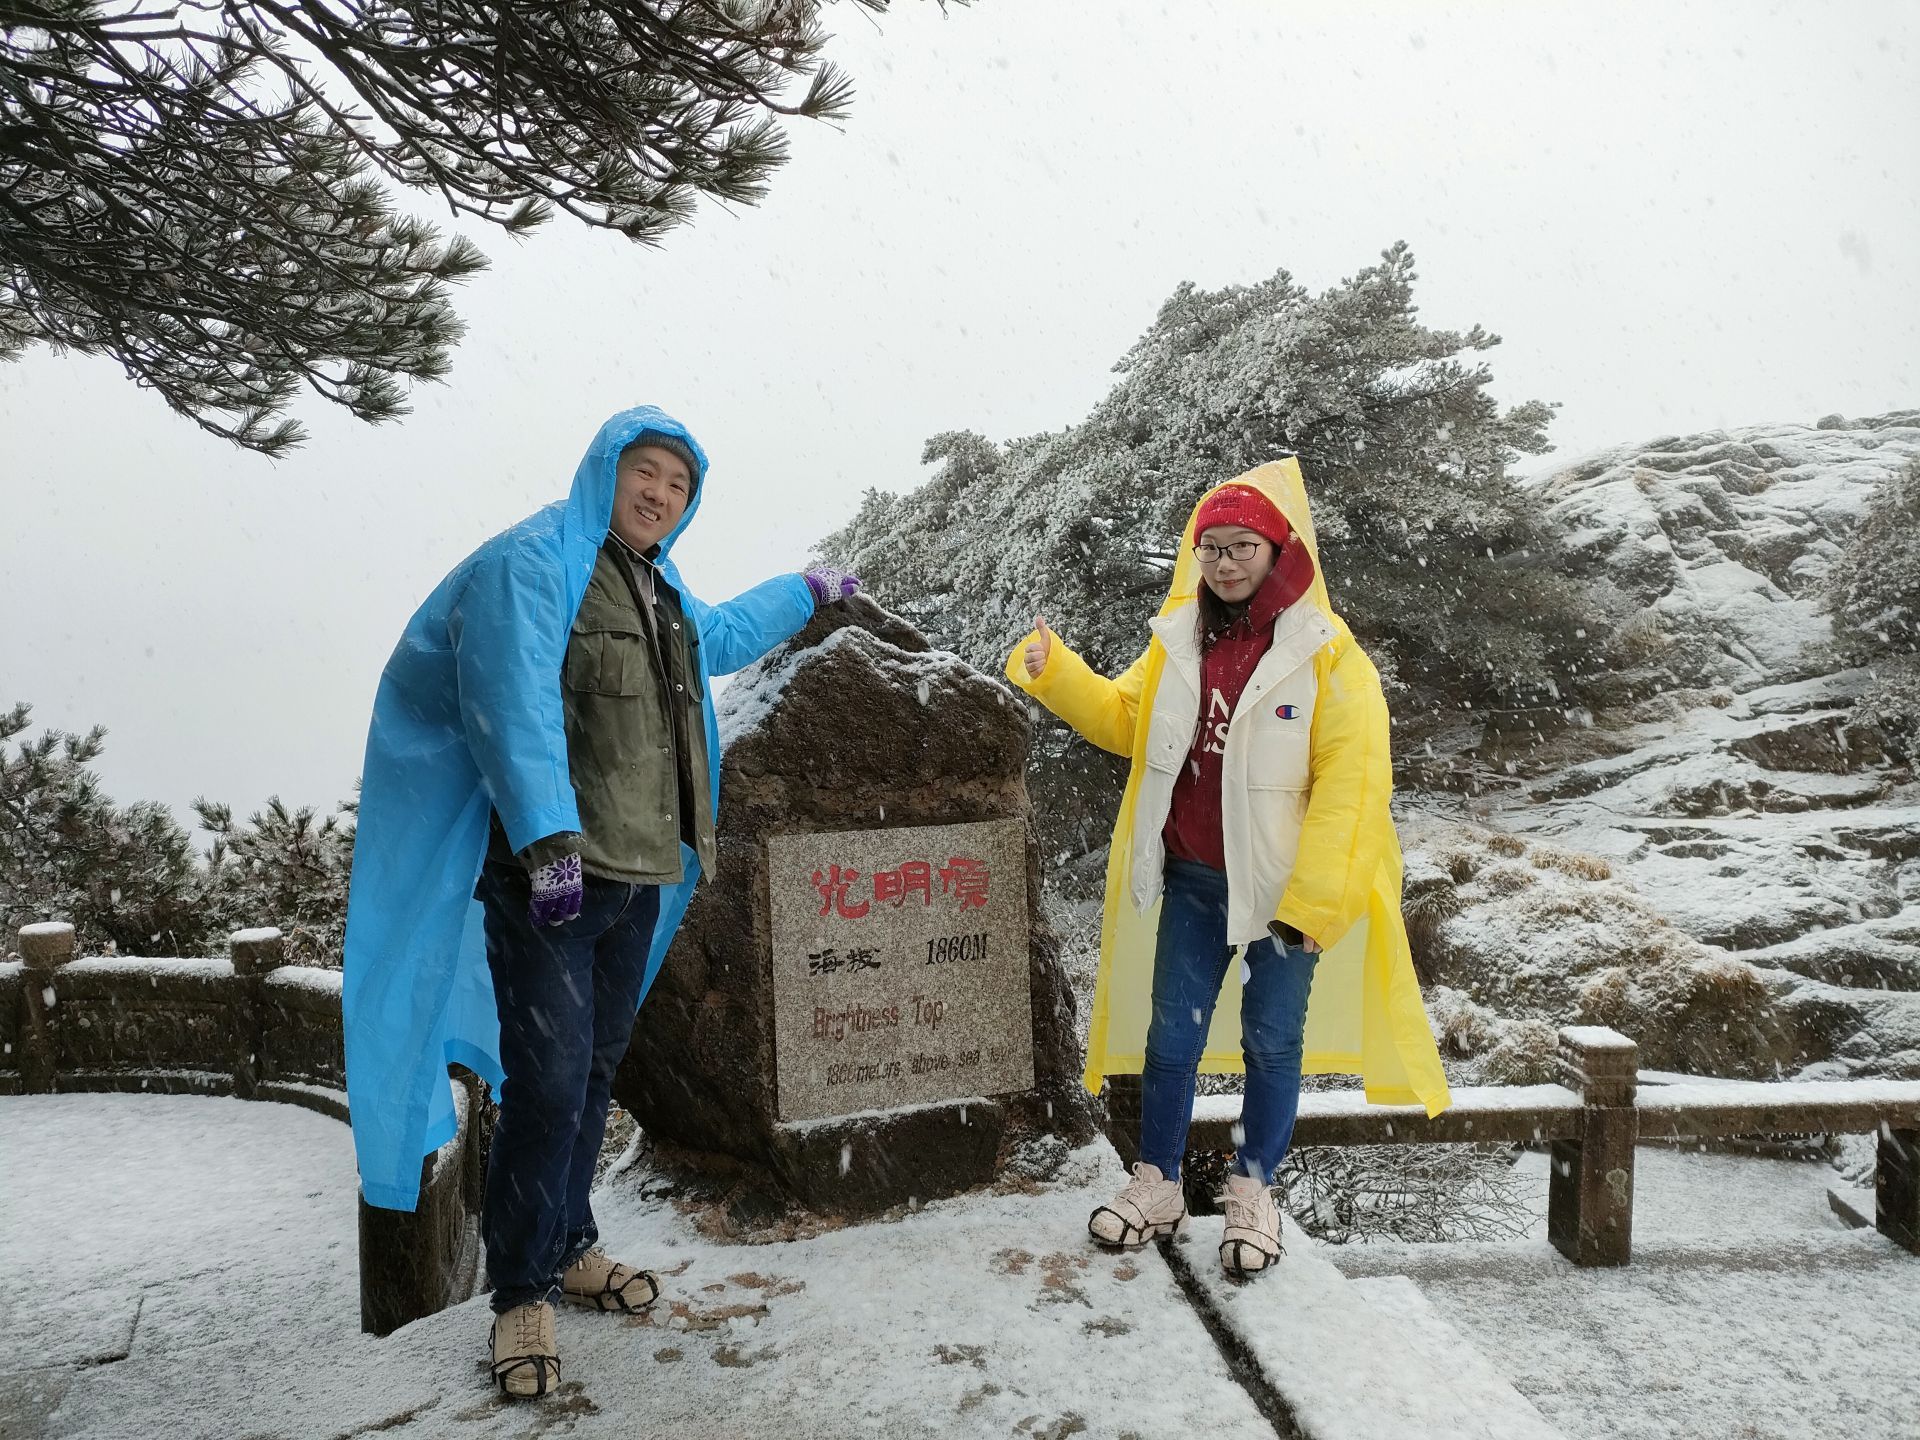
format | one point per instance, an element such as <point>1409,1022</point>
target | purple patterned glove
<point>557,892</point>
<point>829,585</point>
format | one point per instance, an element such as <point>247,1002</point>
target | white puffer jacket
<point>1265,770</point>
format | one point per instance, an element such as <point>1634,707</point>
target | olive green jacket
<point>636,736</point>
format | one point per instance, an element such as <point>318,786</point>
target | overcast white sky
<point>1680,216</point>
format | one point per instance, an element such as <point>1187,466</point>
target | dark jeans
<point>567,996</point>
<point>1189,965</point>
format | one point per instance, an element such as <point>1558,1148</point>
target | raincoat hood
<point>468,720</point>
<point>591,502</point>
<point>1280,482</point>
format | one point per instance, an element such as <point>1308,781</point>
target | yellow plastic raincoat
<point>1365,1015</point>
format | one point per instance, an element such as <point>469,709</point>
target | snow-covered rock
<point>1725,537</point>
<point>855,724</point>
<point>1761,845</point>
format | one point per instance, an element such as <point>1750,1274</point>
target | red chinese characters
<point>963,878</point>
<point>916,876</point>
<point>833,889</point>
<point>966,881</point>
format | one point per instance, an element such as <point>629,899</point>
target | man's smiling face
<point>650,494</point>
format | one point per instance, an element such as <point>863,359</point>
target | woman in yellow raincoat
<point>1255,818</point>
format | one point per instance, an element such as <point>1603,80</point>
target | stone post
<point>45,948</point>
<point>256,954</point>
<point>417,1263</point>
<point>1896,1187</point>
<point>1590,1187</point>
<point>403,1268</point>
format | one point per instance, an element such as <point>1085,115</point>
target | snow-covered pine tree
<point>1873,592</point>
<point>1433,553</point>
<point>203,192</point>
<point>127,879</point>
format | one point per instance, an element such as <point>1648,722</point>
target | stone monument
<point>863,1008</point>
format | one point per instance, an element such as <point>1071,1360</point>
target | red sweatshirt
<point>1192,830</point>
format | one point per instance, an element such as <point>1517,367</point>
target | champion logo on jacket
<point>1287,712</point>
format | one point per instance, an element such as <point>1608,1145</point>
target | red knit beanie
<point>1244,506</point>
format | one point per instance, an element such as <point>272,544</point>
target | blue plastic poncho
<point>468,718</point>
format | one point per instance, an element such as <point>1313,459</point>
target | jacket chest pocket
<point>1280,746</point>
<point>606,657</point>
<point>1170,725</point>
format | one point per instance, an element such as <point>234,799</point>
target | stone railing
<point>255,1028</point>
<point>1591,1122</point>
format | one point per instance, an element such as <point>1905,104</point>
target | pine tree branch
<point>199,202</point>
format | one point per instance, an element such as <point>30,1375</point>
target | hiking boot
<point>526,1361</point>
<point>600,1283</point>
<point>1150,1206</point>
<point>1251,1241</point>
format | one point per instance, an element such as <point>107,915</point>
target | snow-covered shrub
<point>1508,879</point>
<point>126,878</point>
<point>1571,862</point>
<point>1077,923</point>
<point>287,868</point>
<point>1692,1009</point>
<point>1427,900</point>
<point>1873,592</point>
<point>1641,640</point>
<point>1461,1027</point>
<point>1357,1193</point>
<point>1488,1048</point>
<point>1525,1054</point>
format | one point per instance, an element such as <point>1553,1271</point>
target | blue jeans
<point>567,995</point>
<point>1189,965</point>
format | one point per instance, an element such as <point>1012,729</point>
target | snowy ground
<point>1749,1312</point>
<point>182,1267</point>
<point>209,1290</point>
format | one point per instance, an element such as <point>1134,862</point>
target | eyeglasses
<point>1238,550</point>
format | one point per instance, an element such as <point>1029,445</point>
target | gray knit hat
<point>673,445</point>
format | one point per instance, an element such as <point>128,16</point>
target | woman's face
<point>1233,580</point>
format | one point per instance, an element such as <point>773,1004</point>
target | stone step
<point>1352,1360</point>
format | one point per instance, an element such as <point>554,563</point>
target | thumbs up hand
<point>1039,650</point>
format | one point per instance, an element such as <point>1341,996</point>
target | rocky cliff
<point>1718,857</point>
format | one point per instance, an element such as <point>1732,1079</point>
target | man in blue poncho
<point>543,742</point>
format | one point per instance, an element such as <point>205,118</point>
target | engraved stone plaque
<point>900,967</point>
